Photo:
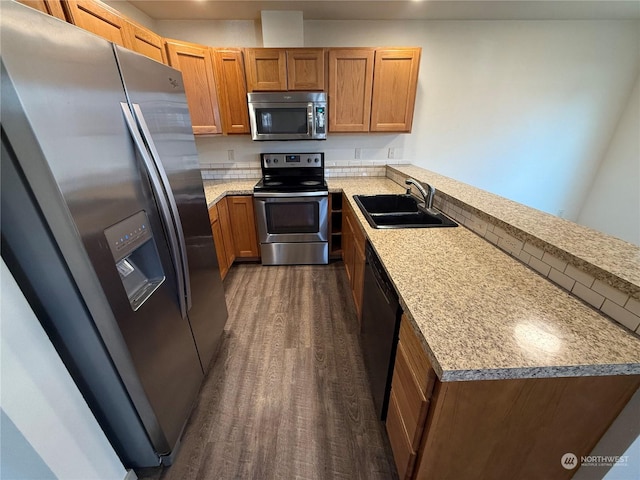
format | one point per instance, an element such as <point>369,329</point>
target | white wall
<point>135,14</point>
<point>524,109</point>
<point>613,202</point>
<point>50,432</point>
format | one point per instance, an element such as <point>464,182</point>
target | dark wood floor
<point>288,397</point>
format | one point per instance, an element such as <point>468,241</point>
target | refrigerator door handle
<point>155,156</point>
<point>158,189</point>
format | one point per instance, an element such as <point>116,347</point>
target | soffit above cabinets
<point>394,9</point>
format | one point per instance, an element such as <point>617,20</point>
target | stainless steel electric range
<point>292,202</point>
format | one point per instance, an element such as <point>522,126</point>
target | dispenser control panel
<point>125,236</point>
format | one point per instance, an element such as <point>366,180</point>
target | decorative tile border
<point>612,297</point>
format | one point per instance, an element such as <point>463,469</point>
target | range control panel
<point>292,160</point>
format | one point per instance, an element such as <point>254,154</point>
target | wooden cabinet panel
<point>394,89</point>
<point>227,233</point>
<point>348,252</point>
<point>218,240</point>
<point>403,454</point>
<point>411,400</point>
<point>100,19</point>
<point>147,43</point>
<point>196,65</point>
<point>243,225</point>
<point>305,69</point>
<point>358,275</point>
<point>350,88</point>
<point>50,7</point>
<point>517,428</point>
<point>416,357</point>
<point>232,90</point>
<point>353,255</point>
<point>266,69</point>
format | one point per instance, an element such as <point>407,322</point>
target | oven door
<point>281,121</point>
<point>292,217</point>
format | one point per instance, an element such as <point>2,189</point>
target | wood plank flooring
<point>288,397</point>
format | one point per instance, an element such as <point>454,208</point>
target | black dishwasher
<point>379,329</point>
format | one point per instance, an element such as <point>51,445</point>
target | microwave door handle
<point>183,266</point>
<point>161,198</point>
<point>311,121</point>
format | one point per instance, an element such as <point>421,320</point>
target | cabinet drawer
<point>411,400</point>
<point>416,357</point>
<point>403,454</point>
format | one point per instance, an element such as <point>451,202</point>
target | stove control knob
<point>275,160</point>
<point>308,160</point>
<point>268,160</point>
<point>316,160</point>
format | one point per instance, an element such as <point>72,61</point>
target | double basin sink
<point>399,211</point>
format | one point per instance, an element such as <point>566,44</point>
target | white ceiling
<point>394,9</point>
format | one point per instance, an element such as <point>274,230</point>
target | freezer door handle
<point>163,201</point>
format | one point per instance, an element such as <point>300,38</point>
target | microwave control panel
<point>320,119</point>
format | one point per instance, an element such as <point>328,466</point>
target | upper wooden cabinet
<point>232,90</point>
<point>100,19</point>
<point>266,69</point>
<point>372,89</point>
<point>350,84</point>
<point>305,69</point>
<point>394,89</point>
<point>196,65</point>
<point>147,43</point>
<point>277,69</point>
<point>50,7</point>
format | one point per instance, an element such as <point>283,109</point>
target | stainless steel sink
<point>399,211</point>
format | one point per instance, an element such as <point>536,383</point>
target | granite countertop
<point>480,313</point>
<point>595,250</point>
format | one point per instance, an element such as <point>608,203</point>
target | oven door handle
<point>289,194</point>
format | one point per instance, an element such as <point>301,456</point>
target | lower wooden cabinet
<point>243,226</point>
<point>353,254</point>
<point>512,428</point>
<point>222,236</point>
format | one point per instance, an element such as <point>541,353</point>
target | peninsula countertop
<point>480,313</point>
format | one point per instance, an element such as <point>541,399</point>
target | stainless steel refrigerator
<point>105,226</point>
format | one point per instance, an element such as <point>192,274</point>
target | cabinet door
<point>403,454</point>
<point>148,43</point>
<point>348,253</point>
<point>350,84</point>
<point>194,61</point>
<point>232,90</point>
<point>394,89</point>
<point>243,224</point>
<point>219,241</point>
<point>50,7</point>
<point>359,260</point>
<point>100,19</point>
<point>305,69</point>
<point>266,69</point>
<point>227,233</point>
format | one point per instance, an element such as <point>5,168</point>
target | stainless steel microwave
<point>288,115</point>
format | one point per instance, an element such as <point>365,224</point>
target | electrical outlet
<point>232,155</point>
<point>391,153</point>
<point>358,154</point>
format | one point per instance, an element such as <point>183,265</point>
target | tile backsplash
<point>248,170</point>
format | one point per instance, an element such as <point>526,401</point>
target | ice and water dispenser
<point>136,256</point>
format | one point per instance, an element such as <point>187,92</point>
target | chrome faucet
<point>427,195</point>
